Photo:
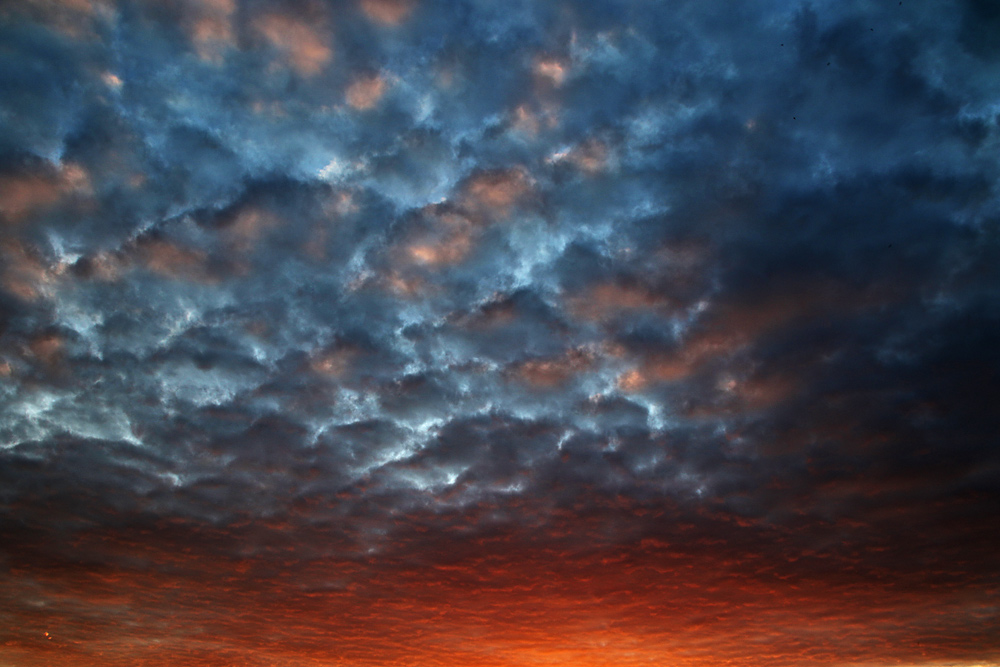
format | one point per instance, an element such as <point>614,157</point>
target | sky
<point>439,333</point>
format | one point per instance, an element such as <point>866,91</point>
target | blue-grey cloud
<point>634,316</point>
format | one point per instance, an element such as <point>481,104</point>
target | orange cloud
<point>451,250</point>
<point>726,329</point>
<point>610,299</point>
<point>73,18</point>
<point>445,238</point>
<point>24,274</point>
<point>334,362</point>
<point>243,231</point>
<point>210,27</point>
<point>525,121</point>
<point>551,70</point>
<point>84,6</point>
<point>492,194</point>
<point>591,157</point>
<point>301,43</point>
<point>21,196</point>
<point>387,12</point>
<point>759,393</point>
<point>172,261</point>
<point>658,368</point>
<point>365,93</point>
<point>47,348</point>
<point>553,372</point>
<point>448,242</point>
<point>530,118</point>
<point>403,285</point>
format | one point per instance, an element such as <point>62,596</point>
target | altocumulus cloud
<point>429,333</point>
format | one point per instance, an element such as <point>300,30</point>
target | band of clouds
<point>577,276</point>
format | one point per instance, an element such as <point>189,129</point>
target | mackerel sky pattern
<point>499,334</point>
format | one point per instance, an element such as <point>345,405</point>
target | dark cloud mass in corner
<point>499,334</point>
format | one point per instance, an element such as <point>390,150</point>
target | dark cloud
<point>422,332</point>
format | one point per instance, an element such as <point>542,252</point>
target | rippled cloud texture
<point>435,333</point>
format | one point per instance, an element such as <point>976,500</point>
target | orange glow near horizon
<point>504,601</point>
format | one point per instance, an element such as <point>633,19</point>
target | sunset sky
<point>499,333</point>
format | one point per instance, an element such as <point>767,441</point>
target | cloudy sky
<point>481,333</point>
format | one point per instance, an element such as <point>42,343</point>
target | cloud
<point>428,332</point>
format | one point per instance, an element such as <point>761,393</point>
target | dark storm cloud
<point>624,317</point>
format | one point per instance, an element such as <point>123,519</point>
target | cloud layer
<point>433,333</point>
